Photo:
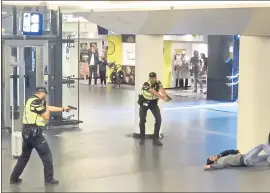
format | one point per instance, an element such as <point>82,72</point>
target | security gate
<point>25,66</point>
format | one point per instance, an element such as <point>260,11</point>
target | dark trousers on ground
<point>40,144</point>
<point>154,108</point>
<point>102,76</point>
<point>92,73</point>
<point>181,82</point>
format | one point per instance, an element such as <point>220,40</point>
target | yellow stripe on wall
<point>114,51</point>
<point>167,64</point>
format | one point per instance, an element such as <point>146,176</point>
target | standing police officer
<point>148,99</point>
<point>36,113</point>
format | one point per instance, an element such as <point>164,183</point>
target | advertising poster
<point>128,54</point>
<point>129,74</point>
<point>83,52</point>
<point>83,60</point>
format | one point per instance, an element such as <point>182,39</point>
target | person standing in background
<point>93,60</point>
<point>205,66</point>
<point>195,61</point>
<point>184,71</point>
<point>102,70</point>
<point>176,66</point>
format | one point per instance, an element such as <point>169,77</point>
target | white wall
<point>128,54</point>
<point>70,66</point>
<point>185,38</point>
<point>202,48</point>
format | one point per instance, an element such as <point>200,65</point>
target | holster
<point>30,131</point>
<point>141,99</point>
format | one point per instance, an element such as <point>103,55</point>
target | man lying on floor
<point>233,158</point>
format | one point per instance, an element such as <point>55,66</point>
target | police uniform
<point>33,138</point>
<point>147,101</point>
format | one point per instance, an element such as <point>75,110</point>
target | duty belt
<point>31,131</point>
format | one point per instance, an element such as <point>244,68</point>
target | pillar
<point>254,92</point>
<point>149,58</point>
<point>219,67</point>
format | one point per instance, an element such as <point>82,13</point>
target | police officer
<point>36,113</point>
<point>148,99</point>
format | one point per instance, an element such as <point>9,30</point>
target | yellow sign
<point>3,30</point>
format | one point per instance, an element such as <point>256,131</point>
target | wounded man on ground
<point>233,158</point>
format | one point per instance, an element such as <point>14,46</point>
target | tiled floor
<point>100,157</point>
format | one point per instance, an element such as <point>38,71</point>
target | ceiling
<point>222,21</point>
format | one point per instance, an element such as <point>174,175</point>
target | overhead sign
<point>32,24</point>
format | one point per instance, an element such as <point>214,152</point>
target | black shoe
<point>18,181</point>
<point>52,182</point>
<point>157,142</point>
<point>142,141</point>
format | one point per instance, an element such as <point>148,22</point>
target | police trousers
<point>39,143</point>
<point>154,108</point>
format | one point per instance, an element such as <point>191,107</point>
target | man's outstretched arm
<point>215,166</point>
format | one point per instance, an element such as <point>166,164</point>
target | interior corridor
<point>101,156</point>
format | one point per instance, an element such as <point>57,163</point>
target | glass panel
<point>70,73</point>
<point>7,20</point>
<point>16,89</point>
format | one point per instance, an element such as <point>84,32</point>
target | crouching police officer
<point>36,112</point>
<point>148,99</point>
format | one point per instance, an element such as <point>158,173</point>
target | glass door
<point>23,70</point>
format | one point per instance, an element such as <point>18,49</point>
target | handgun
<point>169,98</point>
<point>72,108</point>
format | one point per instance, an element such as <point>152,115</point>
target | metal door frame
<point>21,44</point>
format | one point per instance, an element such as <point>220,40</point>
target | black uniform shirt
<point>156,86</point>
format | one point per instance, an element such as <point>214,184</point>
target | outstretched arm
<point>57,109</point>
<point>215,166</point>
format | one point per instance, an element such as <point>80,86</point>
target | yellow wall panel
<point>167,64</point>
<point>114,51</point>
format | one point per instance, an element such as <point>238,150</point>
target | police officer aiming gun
<point>36,113</point>
<point>148,99</point>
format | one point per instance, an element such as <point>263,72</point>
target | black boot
<point>157,142</point>
<point>52,182</point>
<point>176,83</point>
<point>17,181</point>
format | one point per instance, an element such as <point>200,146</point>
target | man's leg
<point>90,74</point>
<point>142,115</point>
<point>195,81</point>
<point>22,161</point>
<point>101,77</point>
<point>45,155</point>
<point>181,82</point>
<point>200,82</point>
<point>105,78</point>
<point>252,158</point>
<point>95,74</point>
<point>156,112</point>
<point>186,83</point>
<point>176,82</point>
